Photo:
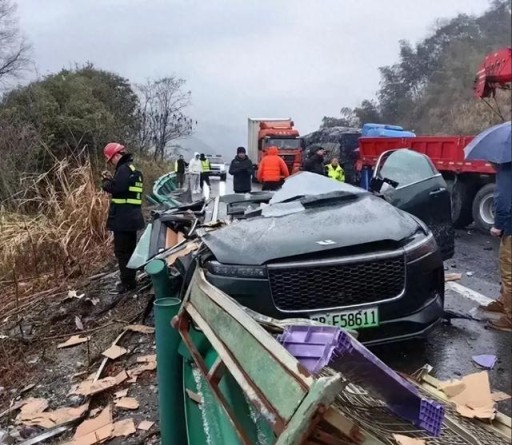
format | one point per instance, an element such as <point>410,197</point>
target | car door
<point>409,181</point>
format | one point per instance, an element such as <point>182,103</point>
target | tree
<point>347,119</point>
<point>75,110</point>
<point>162,117</point>
<point>13,48</point>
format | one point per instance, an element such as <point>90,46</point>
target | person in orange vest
<point>272,170</point>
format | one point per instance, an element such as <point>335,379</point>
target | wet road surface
<point>450,347</point>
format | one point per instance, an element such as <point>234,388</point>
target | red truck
<point>471,183</point>
<point>278,132</point>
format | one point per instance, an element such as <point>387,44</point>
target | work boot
<point>493,306</point>
<point>122,288</point>
<point>503,323</point>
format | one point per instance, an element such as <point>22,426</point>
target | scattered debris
<point>53,419</point>
<point>120,394</point>
<point>195,397</point>
<point>452,277</point>
<point>127,403</point>
<point>500,396</point>
<point>470,274</point>
<point>145,425</point>
<point>73,341</point>
<point>124,428</point>
<point>404,440</point>
<point>471,395</point>
<point>89,388</point>
<point>147,363</point>
<point>486,361</point>
<point>31,407</point>
<point>114,352</point>
<point>95,430</point>
<point>78,323</point>
<point>142,329</point>
<point>74,294</point>
<point>27,388</point>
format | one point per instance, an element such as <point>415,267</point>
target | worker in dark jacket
<point>502,228</point>
<point>241,168</point>
<point>314,163</point>
<point>179,168</point>
<point>125,214</point>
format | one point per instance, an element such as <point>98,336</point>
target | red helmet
<point>111,149</point>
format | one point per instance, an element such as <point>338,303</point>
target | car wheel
<point>483,208</point>
<point>461,194</point>
<point>223,177</point>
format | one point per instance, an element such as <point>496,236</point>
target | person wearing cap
<point>335,171</point>
<point>315,161</point>
<point>125,212</point>
<point>242,169</point>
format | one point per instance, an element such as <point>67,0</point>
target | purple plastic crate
<point>318,347</point>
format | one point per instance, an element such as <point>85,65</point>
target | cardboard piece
<point>146,363</point>
<point>140,328</point>
<point>73,341</point>
<point>146,358</point>
<point>405,440</point>
<point>471,395</point>
<point>145,425</point>
<point>32,407</point>
<point>194,396</point>
<point>124,428</point>
<point>95,430</point>
<point>190,247</point>
<point>500,396</point>
<point>114,352</point>
<point>452,277</point>
<point>127,403</point>
<point>89,388</point>
<point>121,394</point>
<point>56,418</point>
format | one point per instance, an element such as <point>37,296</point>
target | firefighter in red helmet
<point>125,212</point>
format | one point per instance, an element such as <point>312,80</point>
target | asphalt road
<point>450,347</point>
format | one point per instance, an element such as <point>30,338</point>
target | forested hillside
<point>429,89</point>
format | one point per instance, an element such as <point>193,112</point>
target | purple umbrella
<point>492,145</point>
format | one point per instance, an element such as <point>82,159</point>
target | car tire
<point>223,177</point>
<point>461,195</point>
<point>483,208</point>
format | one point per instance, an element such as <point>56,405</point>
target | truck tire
<point>461,194</point>
<point>483,208</point>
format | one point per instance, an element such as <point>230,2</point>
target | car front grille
<point>321,287</point>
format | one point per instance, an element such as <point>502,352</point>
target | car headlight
<point>420,246</point>
<point>237,271</point>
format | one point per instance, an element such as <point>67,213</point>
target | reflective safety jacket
<point>125,188</point>
<point>205,166</point>
<point>335,173</point>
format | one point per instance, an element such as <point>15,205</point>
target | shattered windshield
<point>310,185</point>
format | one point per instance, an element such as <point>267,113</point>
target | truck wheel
<point>461,194</point>
<point>483,208</point>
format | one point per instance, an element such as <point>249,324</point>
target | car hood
<point>360,219</point>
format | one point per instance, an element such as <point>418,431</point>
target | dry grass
<point>58,231</point>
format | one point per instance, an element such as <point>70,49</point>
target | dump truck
<point>279,132</point>
<point>471,183</point>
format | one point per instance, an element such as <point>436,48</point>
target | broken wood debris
<point>89,388</point>
<point>73,341</point>
<point>120,394</point>
<point>94,430</point>
<point>145,425</point>
<point>124,428</point>
<point>141,329</point>
<point>114,352</point>
<point>127,403</point>
<point>452,277</point>
<point>52,419</point>
<point>405,440</point>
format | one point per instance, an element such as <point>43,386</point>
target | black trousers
<point>124,246</point>
<point>205,177</point>
<point>271,186</point>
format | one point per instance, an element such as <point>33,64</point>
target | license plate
<point>358,319</point>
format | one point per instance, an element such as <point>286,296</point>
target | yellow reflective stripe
<point>127,201</point>
<point>135,189</point>
<point>139,184</point>
<point>132,168</point>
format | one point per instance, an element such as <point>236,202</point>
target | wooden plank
<point>348,427</point>
<point>267,341</point>
<point>322,393</point>
<point>281,389</point>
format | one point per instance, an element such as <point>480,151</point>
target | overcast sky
<point>241,58</point>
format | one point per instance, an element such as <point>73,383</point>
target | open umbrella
<point>492,145</point>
